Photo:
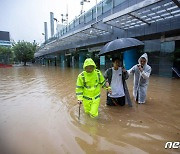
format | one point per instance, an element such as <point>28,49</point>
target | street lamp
<point>55,19</point>
<point>82,3</point>
<point>64,18</point>
<point>44,36</point>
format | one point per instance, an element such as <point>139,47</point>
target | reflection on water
<point>39,115</point>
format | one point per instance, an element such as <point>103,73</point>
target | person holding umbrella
<point>88,87</point>
<point>111,48</point>
<point>141,73</point>
<point>115,77</point>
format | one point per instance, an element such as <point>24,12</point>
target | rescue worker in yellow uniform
<point>88,87</point>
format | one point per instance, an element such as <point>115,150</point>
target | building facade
<point>155,22</point>
<point>5,42</point>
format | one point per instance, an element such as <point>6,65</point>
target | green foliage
<point>5,55</point>
<point>24,51</point>
<point>5,50</point>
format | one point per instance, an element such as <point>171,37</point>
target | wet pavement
<point>39,115</point>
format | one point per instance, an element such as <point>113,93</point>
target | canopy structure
<point>145,12</point>
<point>87,32</point>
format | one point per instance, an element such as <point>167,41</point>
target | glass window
<point>99,9</point>
<point>168,46</point>
<point>94,12</point>
<point>71,25</point>
<point>166,58</point>
<point>117,2</point>
<point>152,45</point>
<point>107,5</point>
<point>152,48</point>
<point>67,28</point>
<point>76,22</point>
<point>82,19</point>
<point>88,16</point>
<point>160,56</point>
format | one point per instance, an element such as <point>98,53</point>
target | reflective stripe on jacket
<point>89,84</point>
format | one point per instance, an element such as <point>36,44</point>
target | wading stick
<point>79,110</point>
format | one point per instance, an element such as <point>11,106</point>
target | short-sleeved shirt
<point>117,84</point>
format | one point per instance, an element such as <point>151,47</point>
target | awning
<point>145,12</point>
<point>87,32</point>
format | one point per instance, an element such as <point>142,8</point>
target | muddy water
<point>39,115</point>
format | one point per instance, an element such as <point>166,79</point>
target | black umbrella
<point>118,44</point>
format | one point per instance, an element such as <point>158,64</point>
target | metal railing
<point>102,7</point>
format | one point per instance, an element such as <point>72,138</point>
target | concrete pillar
<point>55,61</point>
<point>102,62</point>
<point>45,31</point>
<point>62,60</point>
<point>82,57</point>
<point>130,58</point>
<point>52,23</point>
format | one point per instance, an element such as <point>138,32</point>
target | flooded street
<point>39,115</point>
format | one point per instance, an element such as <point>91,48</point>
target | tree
<point>24,51</point>
<point>5,55</point>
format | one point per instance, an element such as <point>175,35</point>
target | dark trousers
<point>137,96</point>
<point>115,101</point>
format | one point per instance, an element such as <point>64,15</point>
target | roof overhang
<point>87,32</point>
<point>90,31</point>
<point>145,12</point>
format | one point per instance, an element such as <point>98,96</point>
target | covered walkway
<point>155,22</point>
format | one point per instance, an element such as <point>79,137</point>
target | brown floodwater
<point>39,115</point>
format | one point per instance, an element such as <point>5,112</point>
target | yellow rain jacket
<point>88,88</point>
